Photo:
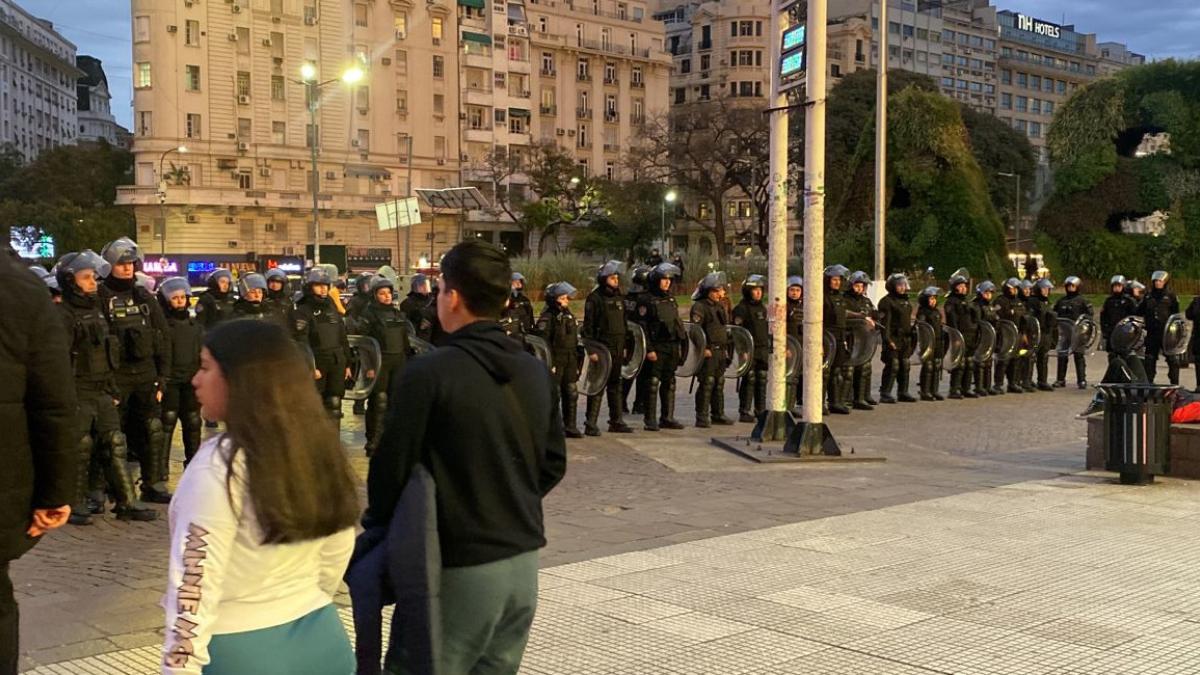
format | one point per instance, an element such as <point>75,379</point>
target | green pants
<point>314,644</point>
<point>486,614</point>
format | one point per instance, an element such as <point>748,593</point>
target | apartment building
<point>443,82</point>
<point>37,83</point>
<point>970,48</point>
<point>94,104</point>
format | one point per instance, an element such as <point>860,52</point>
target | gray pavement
<point>91,591</point>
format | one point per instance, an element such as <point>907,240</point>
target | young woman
<point>183,340</point>
<point>262,524</point>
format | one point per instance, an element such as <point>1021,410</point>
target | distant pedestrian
<point>654,259</point>
<point>478,413</point>
<point>262,524</point>
<point>1031,266</point>
<point>677,260</point>
<point>37,412</point>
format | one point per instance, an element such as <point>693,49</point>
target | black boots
<point>666,392</point>
<point>570,410</point>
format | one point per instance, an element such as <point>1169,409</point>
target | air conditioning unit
<point>385,190</point>
<point>462,115</point>
<point>570,132</point>
<point>264,171</point>
<point>464,157</point>
<point>363,110</point>
<point>188,3</point>
<point>278,60</point>
<point>437,42</point>
<point>354,142</point>
<point>191,218</point>
<point>243,146</point>
<point>560,132</point>
<point>231,243</point>
<point>229,220</point>
<point>233,37</point>
<point>266,42</point>
<point>269,227</point>
<point>236,9</point>
<point>441,161</point>
<point>172,29</point>
<point>387,61</point>
<point>310,21</point>
<point>243,99</point>
<point>329,175</point>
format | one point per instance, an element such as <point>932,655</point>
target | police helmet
<point>607,270</point>
<point>1117,279</point>
<point>47,278</point>
<point>276,273</point>
<point>121,250</point>
<point>1072,281</point>
<point>389,272</point>
<point>1137,286</point>
<point>711,281</point>
<point>985,287</point>
<point>72,263</point>
<point>172,285</point>
<point>958,278</point>
<point>894,281</point>
<point>516,276</point>
<point>662,271</point>
<point>218,274</point>
<point>317,275</point>
<point>1160,275</point>
<point>1044,285</point>
<point>418,281</point>
<point>836,271</point>
<point>795,281</point>
<point>1026,285</point>
<point>251,282</point>
<point>1012,282</point>
<point>860,277</point>
<point>558,289</point>
<point>363,283</point>
<point>145,281</point>
<point>639,275</point>
<point>381,281</point>
<point>929,292</point>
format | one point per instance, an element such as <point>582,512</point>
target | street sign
<point>398,213</point>
<point>792,64</point>
<point>792,61</point>
<point>793,38</point>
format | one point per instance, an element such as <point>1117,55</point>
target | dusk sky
<point>1158,29</point>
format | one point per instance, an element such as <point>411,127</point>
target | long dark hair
<point>297,475</point>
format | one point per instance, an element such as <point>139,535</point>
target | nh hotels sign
<point>1032,25</point>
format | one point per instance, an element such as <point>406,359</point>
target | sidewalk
<point>1066,576</point>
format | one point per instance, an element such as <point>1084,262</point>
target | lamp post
<point>162,197</point>
<point>308,78</point>
<point>668,198</point>
<point>1017,210</point>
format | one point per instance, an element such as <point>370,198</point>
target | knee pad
<point>154,426</point>
<point>114,446</point>
<point>86,446</point>
<point>192,419</point>
<point>169,419</point>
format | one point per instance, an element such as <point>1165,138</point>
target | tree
<point>998,148</point>
<point>704,149</point>
<point>627,223</point>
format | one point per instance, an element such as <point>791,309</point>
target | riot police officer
<point>1031,333</point>
<point>834,311</point>
<point>183,339</point>
<point>557,325</point>
<point>963,316</point>
<point>1117,306</point>
<point>278,302</point>
<point>637,287</point>
<point>708,312</point>
<point>510,321</point>
<point>95,354</point>
<point>659,315</point>
<point>1137,291</point>
<point>138,326</point>
<point>382,320</point>
<point>931,368</point>
<point>522,305</point>
<point>860,377</point>
<point>361,298</point>
<point>1010,307</point>
<point>215,305</point>
<point>604,321</point>
<point>318,326</point>
<point>1158,306</point>
<point>1038,309</point>
<point>1071,307</point>
<point>895,312</point>
<point>418,300</point>
<point>984,385</point>
<point>252,289</point>
<point>752,315</point>
<point>795,328</point>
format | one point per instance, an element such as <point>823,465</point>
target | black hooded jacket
<point>505,454</point>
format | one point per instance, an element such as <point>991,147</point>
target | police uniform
<point>1039,309</point>
<point>389,327</point>
<point>214,306</point>
<point>860,377</point>
<point>895,312</point>
<point>633,294</point>
<point>795,328</point>
<point>929,384</point>
<point>751,314</point>
<point>984,384</point>
<point>318,326</point>
<point>557,325</point>
<point>1073,306</point>
<point>1010,307</point>
<point>658,314</point>
<point>183,339</point>
<point>604,321</point>
<point>838,376</point>
<point>1159,305</point>
<point>710,316</point>
<point>963,316</point>
<point>1117,306</point>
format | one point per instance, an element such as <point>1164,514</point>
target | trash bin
<point>1137,430</point>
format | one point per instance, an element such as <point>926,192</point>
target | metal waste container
<point>1137,430</point>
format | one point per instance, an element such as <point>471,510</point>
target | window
<point>401,62</point>
<point>610,170</point>
<point>893,28</point>
<point>731,209</point>
<point>243,83</point>
<point>439,67</point>
<point>989,89</point>
<point>746,28</point>
<point>193,126</point>
<point>360,15</point>
<point>1005,77</point>
<point>1022,103</point>
<point>948,82</point>
<point>143,75</point>
<point>704,92</point>
<point>191,33</point>
<point>439,104</point>
<point>193,78</point>
<point>636,75</point>
<point>582,136</point>
<point>402,100</point>
<point>312,136</point>
<point>362,97</point>
<point>908,31</point>
<point>703,211</point>
<point>610,73</point>
<point>636,109</point>
<point>922,34</point>
<point>245,129</point>
<point>400,23</point>
<point>1048,85</point>
<point>681,95</point>
<point>364,140</point>
<point>435,26</point>
<point>948,59</point>
<point>279,133</point>
<point>1062,87</point>
<point>141,29</point>
<point>705,62</point>
<point>1035,106</point>
<point>948,35</point>
<point>1006,101</point>
<point>685,66</point>
<point>1048,107</point>
<point>976,41</point>
<point>1035,129</point>
<point>961,61</point>
<point>144,127</point>
<point>581,69</point>
<point>744,209</point>
<point>1035,82</point>
<point>439,147</point>
<point>1022,80</point>
<point>243,40</point>
<point>962,84</point>
<point>277,88</point>
<point>245,180</point>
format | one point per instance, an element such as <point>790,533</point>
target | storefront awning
<point>518,112</point>
<point>482,39</point>
<point>477,4</point>
<point>365,171</point>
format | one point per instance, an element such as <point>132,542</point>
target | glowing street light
<point>668,198</point>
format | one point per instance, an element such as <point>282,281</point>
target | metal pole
<point>1017,218</point>
<point>408,194</point>
<point>773,427</point>
<point>881,97</point>
<point>316,182</point>
<point>662,224</point>
<point>814,222</point>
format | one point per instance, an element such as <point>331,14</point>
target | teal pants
<point>314,644</point>
<point>487,611</point>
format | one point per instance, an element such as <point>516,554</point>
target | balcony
<point>583,113</point>
<point>612,81</point>
<point>612,147</point>
<point>548,110</point>
<point>148,195</point>
<point>478,59</point>
<point>478,94</point>
<point>548,72</point>
<point>583,77</point>
<point>518,94</point>
<point>612,116</point>
<point>637,84</point>
<point>480,134</point>
<point>584,145</point>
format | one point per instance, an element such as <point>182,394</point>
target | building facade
<point>37,83</point>
<point>443,83</point>
<point>94,104</point>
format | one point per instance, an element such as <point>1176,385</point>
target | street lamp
<point>308,78</point>
<point>668,198</point>
<point>1017,212</point>
<point>162,197</point>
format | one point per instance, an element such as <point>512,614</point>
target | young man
<point>215,305</point>
<point>838,377</point>
<point>505,453</point>
<point>895,312</point>
<point>709,313</point>
<point>557,325</point>
<point>277,300</point>
<point>931,368</point>
<point>604,321</point>
<point>751,314</point>
<point>1039,309</point>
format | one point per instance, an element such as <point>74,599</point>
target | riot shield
<point>1031,337</point>
<point>635,347</point>
<point>1086,335</point>
<point>1008,338</point>
<point>954,348</point>
<point>1128,336</point>
<point>794,365</point>
<point>1066,337</point>
<point>862,342</point>
<point>742,358</point>
<point>365,361</point>
<point>924,343</point>
<point>593,375</point>
<point>693,356</point>
<point>987,343</point>
<point>829,344</point>
<point>540,349</point>
<point>1177,335</point>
